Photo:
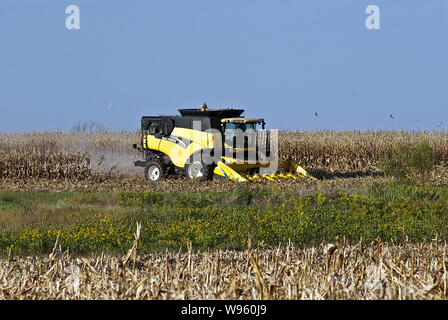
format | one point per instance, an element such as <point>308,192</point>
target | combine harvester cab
<point>203,143</point>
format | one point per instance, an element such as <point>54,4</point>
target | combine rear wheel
<point>154,171</point>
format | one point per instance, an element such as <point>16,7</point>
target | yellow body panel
<point>178,152</point>
<point>151,142</point>
<point>203,138</point>
<point>242,166</point>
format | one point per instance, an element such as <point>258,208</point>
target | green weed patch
<point>391,212</point>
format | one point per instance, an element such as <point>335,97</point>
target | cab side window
<point>154,127</point>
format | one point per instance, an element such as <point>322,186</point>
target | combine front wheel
<point>198,169</point>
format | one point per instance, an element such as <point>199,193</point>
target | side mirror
<point>158,135</point>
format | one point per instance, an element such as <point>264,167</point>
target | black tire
<point>154,171</point>
<point>198,169</point>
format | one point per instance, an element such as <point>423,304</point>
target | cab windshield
<point>241,126</point>
<point>247,130</point>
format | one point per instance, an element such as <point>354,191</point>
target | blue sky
<point>282,60</point>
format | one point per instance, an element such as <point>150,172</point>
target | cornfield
<point>77,155</point>
<point>347,151</point>
<point>68,155</point>
<point>25,165</point>
<point>328,271</point>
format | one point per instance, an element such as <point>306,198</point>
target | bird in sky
<point>315,113</point>
<point>391,116</point>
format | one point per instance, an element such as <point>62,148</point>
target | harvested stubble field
<point>328,271</point>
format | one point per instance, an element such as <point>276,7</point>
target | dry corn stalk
<point>327,271</point>
<point>133,251</point>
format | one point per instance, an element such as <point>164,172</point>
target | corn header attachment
<point>291,171</point>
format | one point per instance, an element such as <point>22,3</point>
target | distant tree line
<point>88,126</point>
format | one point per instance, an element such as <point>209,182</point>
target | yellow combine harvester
<point>204,143</point>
